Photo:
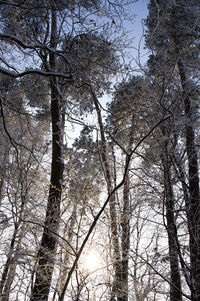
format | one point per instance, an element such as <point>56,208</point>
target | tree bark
<point>125,223</point>
<point>175,286</point>
<point>125,220</point>
<point>1,189</point>
<point>47,250</point>
<point>182,177</point>
<point>193,207</point>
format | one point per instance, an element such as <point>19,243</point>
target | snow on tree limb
<point>34,71</point>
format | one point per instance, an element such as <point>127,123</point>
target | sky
<point>140,11</point>
<point>140,8</point>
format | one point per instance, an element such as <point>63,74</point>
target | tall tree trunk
<point>117,283</point>
<point>182,177</point>
<point>1,189</point>
<point>175,286</point>
<point>194,200</point>
<point>125,223</point>
<point>47,250</point>
<point>125,220</point>
<point>4,162</point>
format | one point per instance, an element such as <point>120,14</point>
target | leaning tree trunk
<point>7,275</point>
<point>173,243</point>
<point>12,269</point>
<point>117,283</point>
<point>9,261</point>
<point>193,207</point>
<point>47,250</point>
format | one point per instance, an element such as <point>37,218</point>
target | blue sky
<point>140,11</point>
<point>140,8</point>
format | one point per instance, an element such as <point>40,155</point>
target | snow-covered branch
<point>35,71</point>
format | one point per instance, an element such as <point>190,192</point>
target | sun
<point>92,261</point>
